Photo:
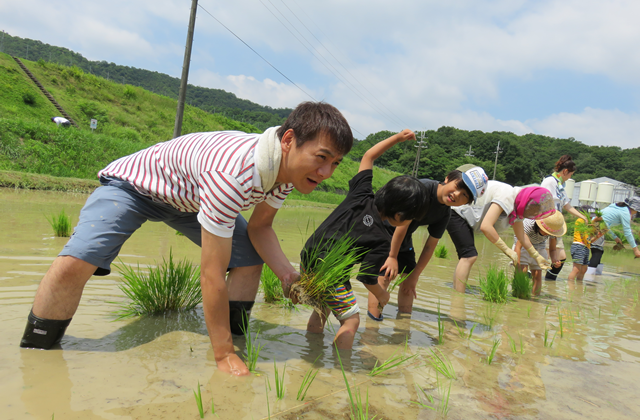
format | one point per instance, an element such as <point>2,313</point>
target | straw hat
<point>553,225</point>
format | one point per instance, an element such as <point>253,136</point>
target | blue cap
<point>476,180</point>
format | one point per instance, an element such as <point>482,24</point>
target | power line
<point>256,53</point>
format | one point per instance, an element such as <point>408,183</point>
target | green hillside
<point>129,118</point>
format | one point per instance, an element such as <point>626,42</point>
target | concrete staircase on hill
<point>46,93</point>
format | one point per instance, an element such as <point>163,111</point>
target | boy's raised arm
<point>379,148</point>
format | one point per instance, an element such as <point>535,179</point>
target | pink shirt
<point>212,174</point>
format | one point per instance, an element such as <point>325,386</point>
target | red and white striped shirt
<point>212,174</point>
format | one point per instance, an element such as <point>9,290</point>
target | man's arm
<point>379,148</point>
<point>265,241</point>
<point>216,253</point>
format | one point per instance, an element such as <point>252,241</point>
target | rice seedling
<point>422,395</point>
<point>213,408</point>
<point>546,308</point>
<point>266,391</point>
<point>170,286</point>
<point>494,285</point>
<point>272,289</point>
<point>441,251</point>
<point>513,345</point>
<point>198,396</point>
<point>253,347</point>
<point>398,281</point>
<point>326,267</point>
<point>529,311</point>
<point>494,349</point>
<point>560,324</point>
<point>547,342</point>
<point>608,286</point>
<point>307,380</point>
<point>61,224</point>
<point>279,381</point>
<point>440,326</point>
<point>521,286</point>
<point>471,331</point>
<point>599,311</point>
<point>462,334</point>
<point>443,408</point>
<point>490,315</point>
<point>442,364</point>
<point>390,363</point>
<point>359,410</point>
<point>615,308</point>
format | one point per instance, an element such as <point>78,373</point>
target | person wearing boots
<point>198,184</point>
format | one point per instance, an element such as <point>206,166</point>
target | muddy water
<point>148,368</point>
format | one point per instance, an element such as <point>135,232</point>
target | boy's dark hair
<point>405,196</point>
<point>456,176</point>
<point>309,119</point>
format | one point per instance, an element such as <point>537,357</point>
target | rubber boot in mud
<point>43,333</point>
<point>239,313</point>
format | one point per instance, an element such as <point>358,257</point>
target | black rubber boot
<point>43,333</point>
<point>553,273</point>
<point>239,313</point>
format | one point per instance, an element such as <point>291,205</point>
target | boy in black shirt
<point>361,216</point>
<point>458,188</point>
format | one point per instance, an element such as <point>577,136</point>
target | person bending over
<point>361,216</point>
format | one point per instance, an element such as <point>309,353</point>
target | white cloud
<point>594,127</point>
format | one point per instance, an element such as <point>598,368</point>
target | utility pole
<point>469,153</point>
<point>421,145</point>
<point>495,165</point>
<point>177,129</point>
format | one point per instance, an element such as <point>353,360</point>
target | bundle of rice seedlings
<point>494,285</point>
<point>169,286</point>
<point>441,251</point>
<point>61,224</point>
<point>521,285</point>
<point>593,229</point>
<point>327,266</point>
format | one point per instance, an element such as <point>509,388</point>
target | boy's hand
<point>405,135</point>
<point>390,268</point>
<point>233,365</point>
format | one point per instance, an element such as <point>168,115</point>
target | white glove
<point>542,262</point>
<point>507,251</point>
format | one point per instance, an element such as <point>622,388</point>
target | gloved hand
<point>542,261</point>
<point>507,251</point>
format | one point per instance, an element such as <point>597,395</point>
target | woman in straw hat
<point>538,232</point>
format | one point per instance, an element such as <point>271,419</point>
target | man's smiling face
<point>307,165</point>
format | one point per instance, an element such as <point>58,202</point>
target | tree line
<point>522,160</point>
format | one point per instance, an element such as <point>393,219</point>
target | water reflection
<point>148,367</point>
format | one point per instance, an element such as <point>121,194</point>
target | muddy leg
<point>347,332</point>
<point>461,275</point>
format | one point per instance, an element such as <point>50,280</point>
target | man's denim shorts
<point>116,210</point>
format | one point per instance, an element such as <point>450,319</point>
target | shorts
<point>406,261</point>
<point>114,211</point>
<point>579,253</point>
<point>525,258</point>
<point>343,303</point>
<point>462,236</point>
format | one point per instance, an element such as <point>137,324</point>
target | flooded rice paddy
<point>147,368</point>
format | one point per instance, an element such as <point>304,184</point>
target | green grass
<point>494,285</point>
<point>307,380</point>
<point>513,345</point>
<point>521,285</point>
<point>490,314</point>
<point>279,381</point>
<point>272,289</point>
<point>494,349</point>
<point>441,251</point>
<point>441,363</point>
<point>170,286</point>
<point>547,342</point>
<point>560,317</point>
<point>61,224</point>
<point>330,263</point>
<point>198,396</point>
<point>440,326</point>
<point>422,397</point>
<point>394,361</point>
<point>359,409</point>
<point>252,345</point>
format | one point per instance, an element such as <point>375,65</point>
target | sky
<point>561,68</point>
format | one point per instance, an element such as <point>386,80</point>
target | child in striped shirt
<point>361,216</point>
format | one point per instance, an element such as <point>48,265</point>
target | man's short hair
<point>310,119</point>
<point>405,196</point>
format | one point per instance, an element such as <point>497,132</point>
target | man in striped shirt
<point>198,184</point>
